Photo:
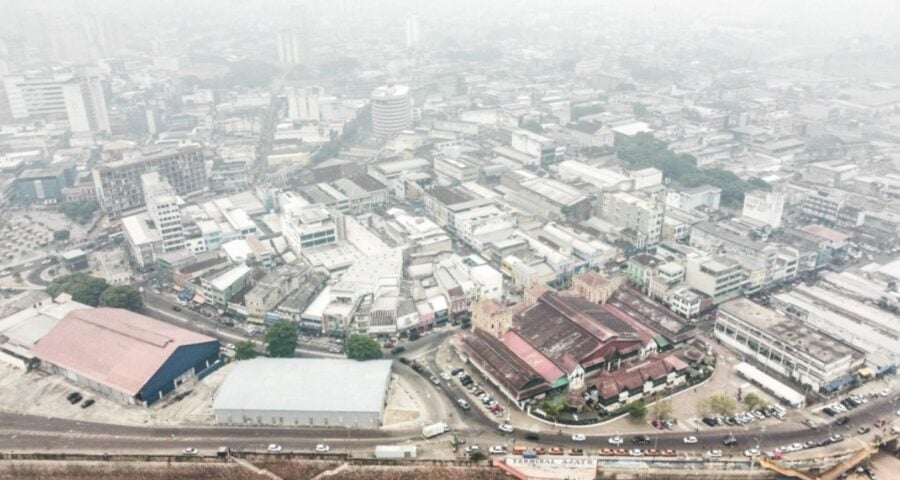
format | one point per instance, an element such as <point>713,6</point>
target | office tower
<point>290,47</point>
<point>391,109</point>
<point>119,186</point>
<point>76,98</point>
<point>413,31</point>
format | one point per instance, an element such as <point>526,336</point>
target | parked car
<point>714,453</point>
<point>751,453</point>
<point>506,428</point>
<point>176,308</point>
<point>842,421</point>
<point>87,403</point>
<point>463,404</point>
<point>435,380</point>
<point>576,452</point>
<point>497,450</point>
<point>398,349</point>
<point>862,430</point>
<point>636,452</point>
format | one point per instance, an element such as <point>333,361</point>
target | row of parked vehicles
<point>845,405</point>
<point>485,398</point>
<point>746,417</point>
<point>534,452</point>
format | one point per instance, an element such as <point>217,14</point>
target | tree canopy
<point>281,339</point>
<point>719,404</point>
<point>60,235</point>
<point>122,296</point>
<point>80,211</point>
<point>82,287</point>
<point>361,347</point>
<point>245,350</point>
<point>662,409</point>
<point>643,150</point>
<point>754,401</point>
<point>637,409</point>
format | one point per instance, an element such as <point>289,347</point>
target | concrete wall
<point>298,418</point>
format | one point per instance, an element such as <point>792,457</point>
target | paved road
<point>34,433</point>
<point>160,306</point>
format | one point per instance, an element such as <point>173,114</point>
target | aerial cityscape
<point>376,239</point>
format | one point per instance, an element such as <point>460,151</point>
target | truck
<point>395,452</point>
<point>435,429</point>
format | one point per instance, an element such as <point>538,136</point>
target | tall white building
<point>164,209</point>
<point>391,109</point>
<point>291,47</point>
<point>77,98</point>
<point>413,31</point>
<point>85,105</point>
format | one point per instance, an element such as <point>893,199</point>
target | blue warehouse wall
<point>183,359</point>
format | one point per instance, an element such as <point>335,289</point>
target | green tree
<point>533,125</point>
<point>80,211</point>
<point>637,410</point>
<point>722,404</point>
<point>361,347</point>
<point>662,409</point>
<point>245,350</point>
<point>281,339</point>
<point>122,296</point>
<point>639,109</point>
<point>754,401</point>
<point>82,287</point>
<point>60,235</point>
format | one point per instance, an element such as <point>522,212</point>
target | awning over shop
<point>199,299</point>
<point>866,372</point>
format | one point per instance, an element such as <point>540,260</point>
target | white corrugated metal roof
<point>305,385</point>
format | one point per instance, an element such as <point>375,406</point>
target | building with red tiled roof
<point>125,355</point>
<point>631,382</point>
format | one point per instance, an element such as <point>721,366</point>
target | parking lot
<point>39,393</point>
<point>25,236</point>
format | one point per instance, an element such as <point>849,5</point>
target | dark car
<point>640,439</point>
<point>176,308</point>
<point>710,421</point>
<point>397,350</point>
<point>730,441</point>
<point>72,395</point>
<point>842,421</point>
<point>87,403</point>
<point>75,399</point>
<point>829,411</point>
<point>532,436</point>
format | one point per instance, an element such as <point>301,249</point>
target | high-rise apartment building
<point>391,109</point>
<point>164,208</point>
<point>291,47</point>
<point>630,212</point>
<point>119,187</point>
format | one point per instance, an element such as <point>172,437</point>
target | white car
<point>751,453</point>
<point>4,273</point>
<point>472,449</point>
<point>636,452</point>
<point>190,451</point>
<point>46,261</point>
<point>505,427</point>
<point>322,448</point>
<point>714,453</point>
<point>497,450</point>
<point>617,440</point>
<point>578,437</point>
<point>274,448</point>
<point>690,440</point>
<point>885,392</point>
<point>446,375</point>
